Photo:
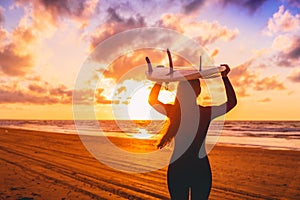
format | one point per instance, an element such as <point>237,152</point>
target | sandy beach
<point>43,165</point>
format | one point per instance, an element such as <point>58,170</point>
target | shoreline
<point>43,165</point>
<point>153,139</point>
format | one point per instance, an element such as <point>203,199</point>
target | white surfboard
<point>171,74</point>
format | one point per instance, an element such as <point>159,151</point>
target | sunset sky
<point>44,44</point>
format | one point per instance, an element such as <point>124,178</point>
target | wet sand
<point>41,165</point>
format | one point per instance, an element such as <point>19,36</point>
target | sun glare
<point>142,134</point>
<point>139,108</point>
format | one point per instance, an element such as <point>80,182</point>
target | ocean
<point>283,135</point>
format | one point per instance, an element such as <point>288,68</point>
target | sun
<point>139,108</point>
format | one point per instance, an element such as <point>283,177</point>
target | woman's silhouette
<point>189,123</point>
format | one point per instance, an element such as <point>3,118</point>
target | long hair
<point>183,95</point>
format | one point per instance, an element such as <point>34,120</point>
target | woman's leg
<point>201,180</point>
<point>177,183</point>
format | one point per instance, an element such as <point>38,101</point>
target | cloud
<point>13,63</point>
<point>288,55</point>
<point>11,96</point>
<point>295,77</point>
<point>294,3</point>
<point>33,91</point>
<point>3,36</point>
<point>37,88</point>
<point>282,22</point>
<point>115,24</point>
<point>203,31</point>
<point>2,17</point>
<point>101,99</point>
<point>244,80</point>
<point>192,6</point>
<point>214,53</point>
<point>16,51</point>
<point>268,83</point>
<point>251,5</point>
<point>78,10</point>
<point>264,100</point>
<point>294,51</point>
<point>17,48</point>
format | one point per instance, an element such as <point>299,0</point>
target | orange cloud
<point>269,83</point>
<point>243,80</point>
<point>100,98</point>
<point>13,63</point>
<point>136,59</point>
<point>17,49</point>
<point>264,100</point>
<point>214,53</point>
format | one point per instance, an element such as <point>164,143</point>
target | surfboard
<point>181,73</point>
<point>163,74</point>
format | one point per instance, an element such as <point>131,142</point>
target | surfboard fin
<point>149,65</point>
<point>200,65</point>
<point>170,61</point>
<point>167,85</point>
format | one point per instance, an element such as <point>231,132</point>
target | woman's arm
<point>230,94</point>
<point>154,102</point>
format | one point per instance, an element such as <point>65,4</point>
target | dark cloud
<point>294,52</point>
<point>63,6</point>
<point>31,98</point>
<point>294,3</point>
<point>2,17</point>
<point>251,5</point>
<point>295,77</point>
<point>37,88</point>
<point>37,92</point>
<point>192,6</point>
<point>115,24</point>
<point>61,90</point>
<point>289,57</point>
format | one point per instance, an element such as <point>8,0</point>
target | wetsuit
<point>187,170</point>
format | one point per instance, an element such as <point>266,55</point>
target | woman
<point>189,123</point>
